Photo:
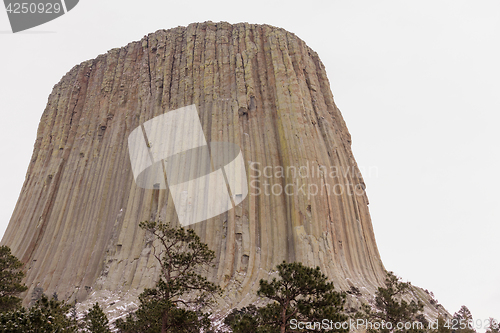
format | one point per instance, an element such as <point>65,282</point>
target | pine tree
<point>390,307</point>
<point>462,321</point>
<point>244,320</point>
<point>301,294</point>
<point>10,280</point>
<point>493,326</point>
<point>45,316</point>
<point>96,320</point>
<point>177,302</point>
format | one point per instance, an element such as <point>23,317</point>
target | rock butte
<point>75,224</point>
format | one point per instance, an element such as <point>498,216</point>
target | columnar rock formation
<point>76,221</point>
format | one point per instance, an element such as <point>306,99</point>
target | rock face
<point>260,87</point>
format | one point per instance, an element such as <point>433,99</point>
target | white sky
<point>418,83</point>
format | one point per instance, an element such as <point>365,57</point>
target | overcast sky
<point>418,83</point>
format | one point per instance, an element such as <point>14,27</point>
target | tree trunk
<point>164,322</point>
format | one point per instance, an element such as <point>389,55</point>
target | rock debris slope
<point>260,87</point>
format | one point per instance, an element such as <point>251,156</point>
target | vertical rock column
<point>76,221</point>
